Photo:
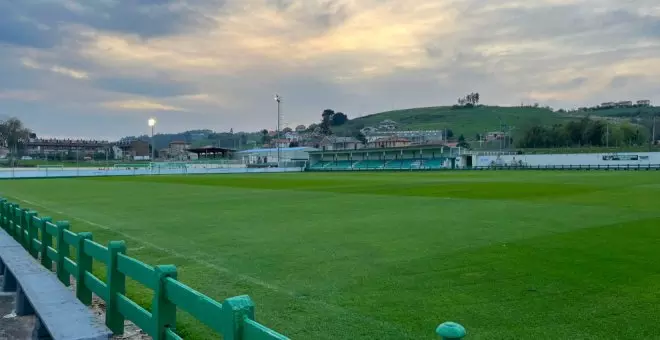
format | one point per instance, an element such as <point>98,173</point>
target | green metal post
<point>450,331</point>
<point>83,293</point>
<point>235,310</point>
<point>116,285</point>
<point>163,311</point>
<point>32,232</point>
<point>14,221</point>
<point>62,252</point>
<point>46,241</point>
<point>26,229</point>
<point>3,202</point>
<point>8,218</point>
<point>21,229</point>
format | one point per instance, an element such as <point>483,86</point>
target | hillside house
<point>644,102</point>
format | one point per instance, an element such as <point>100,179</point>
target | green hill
<point>467,121</point>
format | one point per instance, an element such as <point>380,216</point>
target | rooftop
<point>281,149</point>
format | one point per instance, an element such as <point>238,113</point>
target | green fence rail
<point>51,243</point>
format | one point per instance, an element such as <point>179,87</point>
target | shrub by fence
<point>233,318</point>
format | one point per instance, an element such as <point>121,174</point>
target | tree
<point>14,134</point>
<point>462,142</point>
<point>326,122</point>
<point>361,137</point>
<point>469,100</point>
<point>294,144</point>
<point>265,138</point>
<point>338,119</point>
<point>287,130</point>
<point>449,133</point>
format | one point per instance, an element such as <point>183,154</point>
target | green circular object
<point>450,330</point>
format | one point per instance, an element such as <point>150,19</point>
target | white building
<point>269,156</point>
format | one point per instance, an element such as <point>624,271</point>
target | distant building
<point>644,102</point>
<point>625,103</point>
<point>178,147</point>
<point>389,142</point>
<point>117,152</point>
<point>52,146</point>
<point>608,104</point>
<point>494,135</point>
<point>135,149</point>
<point>269,155</point>
<point>281,143</point>
<point>387,124</point>
<point>415,137</point>
<point>339,143</point>
<point>367,130</point>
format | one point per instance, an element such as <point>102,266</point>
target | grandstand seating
<point>434,163</point>
<point>340,165</point>
<point>395,164</point>
<point>368,164</point>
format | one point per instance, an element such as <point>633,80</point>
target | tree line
<point>13,134</point>
<point>585,132</point>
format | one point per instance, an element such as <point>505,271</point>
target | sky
<point>99,69</point>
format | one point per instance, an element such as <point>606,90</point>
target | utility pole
<point>653,132</point>
<point>501,137</point>
<point>607,134</point>
<point>278,99</point>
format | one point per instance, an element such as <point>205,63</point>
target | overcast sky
<point>101,68</point>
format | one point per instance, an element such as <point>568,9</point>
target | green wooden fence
<point>233,318</point>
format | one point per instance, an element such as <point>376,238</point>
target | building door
<point>468,162</point>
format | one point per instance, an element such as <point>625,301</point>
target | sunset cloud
<point>221,61</point>
<point>140,105</point>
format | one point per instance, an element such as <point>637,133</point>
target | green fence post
<point>21,231</point>
<point>116,285</point>
<point>14,218</point>
<point>32,232</point>
<point>10,219</point>
<point>25,229</point>
<point>235,310</point>
<point>3,203</point>
<point>62,252</point>
<point>84,265</point>
<point>163,311</point>
<point>450,331</point>
<point>46,241</point>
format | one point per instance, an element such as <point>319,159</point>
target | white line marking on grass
<point>168,251</point>
<point>244,277</point>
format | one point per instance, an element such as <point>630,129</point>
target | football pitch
<point>508,254</point>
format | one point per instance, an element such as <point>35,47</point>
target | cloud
<point>140,105</point>
<point>17,29</point>
<point>222,61</point>
<point>69,72</point>
<point>163,87</point>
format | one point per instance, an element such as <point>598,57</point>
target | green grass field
<point>510,255</point>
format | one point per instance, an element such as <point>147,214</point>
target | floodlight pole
<point>152,124</point>
<point>153,145</point>
<point>278,99</point>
